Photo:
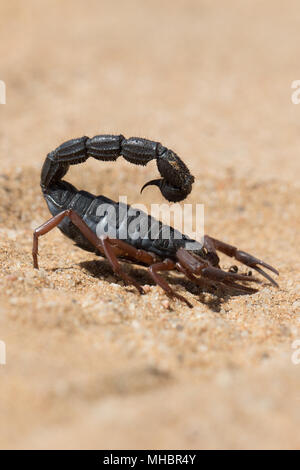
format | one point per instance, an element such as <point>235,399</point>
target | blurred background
<point>87,365</point>
<point>212,81</point>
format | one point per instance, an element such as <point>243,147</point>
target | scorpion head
<point>197,260</point>
<point>194,251</point>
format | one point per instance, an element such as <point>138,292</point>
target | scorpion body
<point>81,217</point>
<point>66,196</point>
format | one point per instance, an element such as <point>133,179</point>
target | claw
<point>251,261</point>
<point>219,274</point>
<point>254,263</point>
<point>239,287</point>
<point>266,275</point>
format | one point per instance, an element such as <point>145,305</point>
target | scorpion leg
<point>107,245</point>
<point>191,277</point>
<point>135,254</point>
<point>54,222</point>
<point>242,256</point>
<point>166,265</point>
<point>104,245</point>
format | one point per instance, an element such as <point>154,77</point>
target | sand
<point>90,363</point>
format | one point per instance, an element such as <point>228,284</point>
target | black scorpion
<point>76,214</point>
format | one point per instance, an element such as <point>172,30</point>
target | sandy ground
<point>90,364</point>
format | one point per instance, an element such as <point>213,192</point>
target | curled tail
<point>175,184</point>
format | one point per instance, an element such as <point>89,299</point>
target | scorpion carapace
<point>79,215</point>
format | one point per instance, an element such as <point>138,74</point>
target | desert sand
<point>89,362</point>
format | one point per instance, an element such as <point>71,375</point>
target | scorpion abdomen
<point>115,219</point>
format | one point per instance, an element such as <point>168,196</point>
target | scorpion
<point>76,214</point>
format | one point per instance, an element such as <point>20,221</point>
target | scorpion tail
<point>156,182</point>
<point>169,191</point>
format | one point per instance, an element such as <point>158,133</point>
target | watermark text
<point>2,92</point>
<point>295,358</point>
<point>165,222</point>
<point>2,353</point>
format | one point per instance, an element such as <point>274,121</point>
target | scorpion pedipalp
<point>242,257</point>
